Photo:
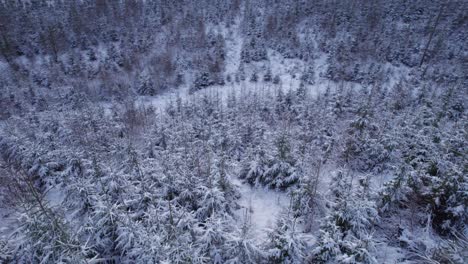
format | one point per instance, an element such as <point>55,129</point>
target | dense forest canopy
<point>214,131</point>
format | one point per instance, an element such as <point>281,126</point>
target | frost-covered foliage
<point>277,171</point>
<point>357,112</point>
<point>346,233</point>
<point>114,48</point>
<point>284,243</point>
<point>133,184</point>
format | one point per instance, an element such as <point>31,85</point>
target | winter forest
<point>234,131</point>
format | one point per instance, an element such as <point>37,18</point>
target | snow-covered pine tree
<point>284,242</point>
<point>346,235</point>
<point>145,84</point>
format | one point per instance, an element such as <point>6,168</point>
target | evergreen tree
<point>285,245</point>
<point>145,84</point>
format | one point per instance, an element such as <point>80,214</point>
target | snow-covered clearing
<point>260,207</point>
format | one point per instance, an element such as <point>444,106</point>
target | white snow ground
<point>262,205</point>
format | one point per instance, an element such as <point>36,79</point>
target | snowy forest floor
<point>261,205</point>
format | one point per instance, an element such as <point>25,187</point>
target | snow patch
<point>262,206</point>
